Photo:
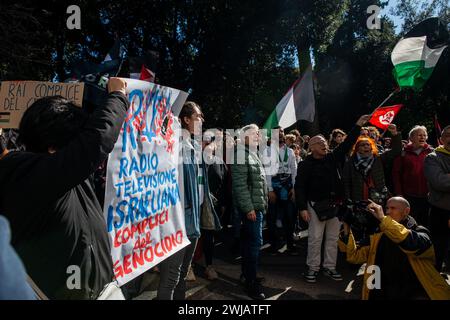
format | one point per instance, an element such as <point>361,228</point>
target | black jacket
<point>398,278</point>
<point>56,219</point>
<point>320,179</point>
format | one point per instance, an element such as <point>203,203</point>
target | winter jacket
<point>408,172</point>
<point>319,179</point>
<point>414,241</point>
<point>356,187</point>
<point>191,187</point>
<point>437,173</point>
<point>56,219</point>
<point>217,179</point>
<point>249,182</point>
<point>209,220</point>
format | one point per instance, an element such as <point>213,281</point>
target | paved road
<point>282,273</point>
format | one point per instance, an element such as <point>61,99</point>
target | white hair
<point>415,129</point>
<point>249,126</point>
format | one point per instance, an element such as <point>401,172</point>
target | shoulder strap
<point>285,155</point>
<point>337,174</point>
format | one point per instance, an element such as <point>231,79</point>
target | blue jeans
<point>251,242</point>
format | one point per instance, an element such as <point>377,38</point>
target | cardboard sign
<point>144,192</point>
<point>17,96</point>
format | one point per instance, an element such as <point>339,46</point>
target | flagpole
<point>120,67</point>
<point>381,104</point>
<point>385,100</point>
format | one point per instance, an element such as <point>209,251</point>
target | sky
<point>397,21</point>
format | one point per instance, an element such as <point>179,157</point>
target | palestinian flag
<point>297,104</point>
<point>417,53</point>
<point>5,117</point>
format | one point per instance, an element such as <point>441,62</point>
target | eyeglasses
<point>318,142</point>
<point>364,145</point>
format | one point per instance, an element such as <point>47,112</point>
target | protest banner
<point>17,96</point>
<point>143,201</point>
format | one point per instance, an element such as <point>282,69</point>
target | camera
<point>359,218</point>
<point>379,196</point>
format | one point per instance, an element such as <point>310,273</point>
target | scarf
<point>363,165</point>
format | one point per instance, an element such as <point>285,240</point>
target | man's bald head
<point>401,200</point>
<point>398,208</point>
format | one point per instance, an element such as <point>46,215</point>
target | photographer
<point>403,252</point>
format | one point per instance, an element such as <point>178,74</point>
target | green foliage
<point>434,98</point>
<point>237,58</point>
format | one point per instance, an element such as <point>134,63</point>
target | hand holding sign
<point>17,96</point>
<point>144,199</point>
<point>117,84</point>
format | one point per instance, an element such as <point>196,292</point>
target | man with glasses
<point>318,189</point>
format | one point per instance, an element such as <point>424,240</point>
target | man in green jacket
<point>250,198</point>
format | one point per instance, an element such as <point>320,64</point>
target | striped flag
<point>297,104</point>
<point>415,56</point>
<point>5,117</point>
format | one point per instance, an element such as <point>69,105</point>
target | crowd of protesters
<point>52,187</point>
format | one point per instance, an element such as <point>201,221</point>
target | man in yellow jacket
<point>403,253</point>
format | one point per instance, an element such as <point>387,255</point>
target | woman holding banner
<point>174,269</point>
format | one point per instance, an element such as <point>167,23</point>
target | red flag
<point>382,117</point>
<point>437,128</point>
<point>147,74</point>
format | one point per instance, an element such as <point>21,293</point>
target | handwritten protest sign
<point>143,207</point>
<point>17,96</point>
